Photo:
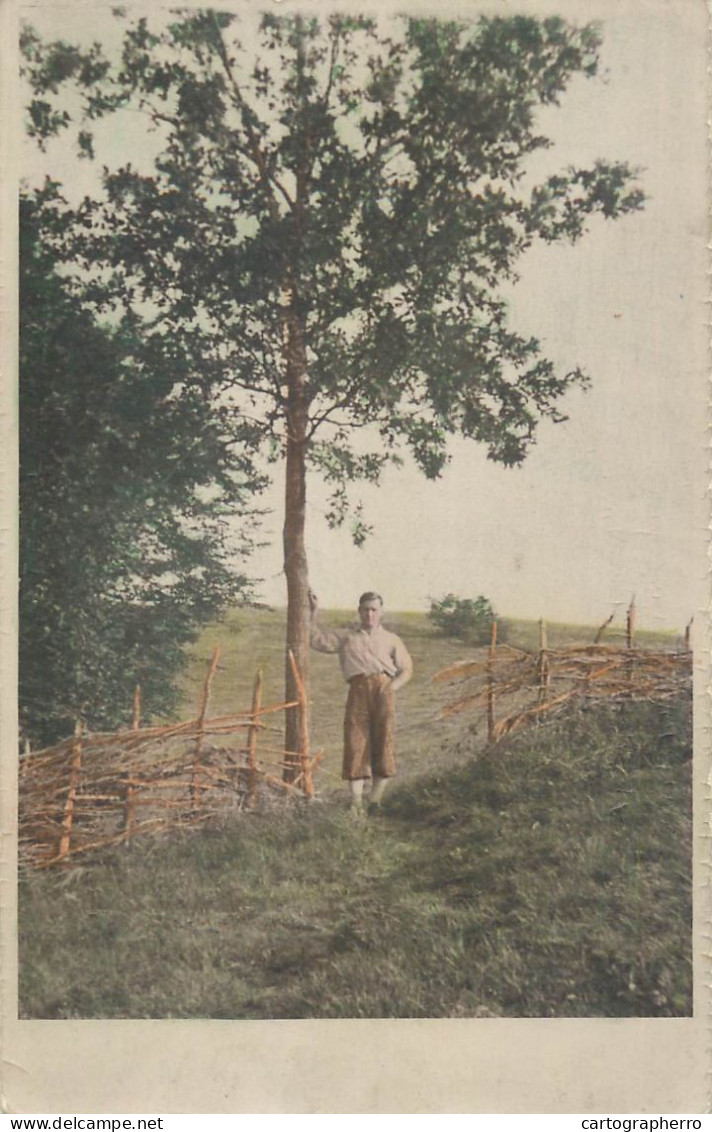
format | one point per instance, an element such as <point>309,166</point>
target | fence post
<point>132,791</point>
<point>129,811</point>
<point>137,708</point>
<point>490,684</point>
<point>305,761</point>
<point>74,772</point>
<point>25,757</point>
<point>252,740</point>
<point>202,712</point>
<point>688,635</point>
<point>543,664</point>
<point>629,641</point>
<point>630,624</point>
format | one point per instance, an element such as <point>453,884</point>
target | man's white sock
<point>379,785</point>
<point>357,785</point>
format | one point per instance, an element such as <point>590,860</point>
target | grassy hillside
<point>551,878</point>
<point>254,638</point>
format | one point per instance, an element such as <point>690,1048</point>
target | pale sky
<point>612,502</point>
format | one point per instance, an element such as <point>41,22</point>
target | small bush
<point>469,619</point>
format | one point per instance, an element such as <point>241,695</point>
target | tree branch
<point>335,40</point>
<point>326,415</point>
<point>146,110</point>
<point>270,182</point>
<point>327,418</point>
<point>259,389</point>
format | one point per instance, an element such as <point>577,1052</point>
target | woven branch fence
<point>516,688</point>
<point>96,790</point>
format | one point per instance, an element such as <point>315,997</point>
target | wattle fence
<point>516,688</point>
<point>96,790</point>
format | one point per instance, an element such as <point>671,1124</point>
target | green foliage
<point>357,184</point>
<point>127,478</point>
<point>469,619</point>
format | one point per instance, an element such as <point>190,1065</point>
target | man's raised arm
<point>320,639</point>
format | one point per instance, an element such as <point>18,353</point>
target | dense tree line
<point>128,478</point>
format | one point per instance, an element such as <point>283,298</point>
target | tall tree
<point>325,231</point>
<point>126,481</point>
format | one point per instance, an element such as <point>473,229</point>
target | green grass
<point>549,879</point>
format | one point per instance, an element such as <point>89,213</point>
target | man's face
<point>370,614</point>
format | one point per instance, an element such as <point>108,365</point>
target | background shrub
<point>469,619</point>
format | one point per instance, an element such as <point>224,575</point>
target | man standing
<point>375,663</point>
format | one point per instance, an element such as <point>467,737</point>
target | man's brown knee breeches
<point>368,728</point>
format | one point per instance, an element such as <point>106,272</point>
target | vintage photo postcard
<point>355,645</point>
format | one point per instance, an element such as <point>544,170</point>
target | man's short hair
<point>370,595</point>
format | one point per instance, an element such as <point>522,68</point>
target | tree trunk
<point>295,555</point>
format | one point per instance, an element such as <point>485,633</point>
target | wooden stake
<point>137,708</point>
<point>688,635</point>
<point>305,762</point>
<point>491,722</point>
<point>630,624</point>
<point>129,811</point>
<point>602,629</point>
<point>131,791</point>
<point>252,740</point>
<point>543,663</point>
<point>281,783</point>
<point>202,712</point>
<point>317,759</point>
<point>629,638</point>
<point>205,697</point>
<point>74,772</point>
<point>24,760</point>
